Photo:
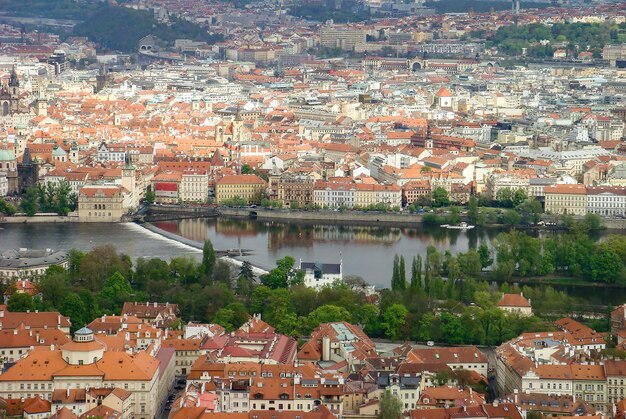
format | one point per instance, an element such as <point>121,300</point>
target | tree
<point>530,211</point>
<point>115,292</point>
<point>511,217</point>
<point>416,272</point>
<point>222,273</point>
<point>472,210</point>
<point>394,317</point>
<point>246,271</point>
<point>100,263</point>
<point>150,195</point>
<point>328,314</point>
<point>150,271</point>
<point>455,216</point>
<point>28,203</point>
<point>355,282</point>
<point>605,264</point>
<point>74,308</point>
<point>281,276</point>
<point>208,260</point>
<point>519,196</point>
<point>592,222</point>
<point>504,196</point>
<point>7,208</point>
<point>184,270</point>
<point>390,406</point>
<point>402,277</point>
<point>395,274</point>
<point>440,197</point>
<point>54,286</point>
<point>485,256</point>
<point>20,302</point>
<point>232,316</point>
<point>451,328</point>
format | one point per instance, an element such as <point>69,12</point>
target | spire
<point>127,163</point>
<point>13,81</point>
<point>27,158</point>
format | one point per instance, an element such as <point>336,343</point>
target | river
<point>364,251</point>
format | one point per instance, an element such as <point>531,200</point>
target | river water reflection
<point>364,251</point>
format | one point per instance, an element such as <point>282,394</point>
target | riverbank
<point>324,216</point>
<point>23,219</point>
<point>556,281</point>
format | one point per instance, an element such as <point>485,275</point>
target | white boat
<point>462,226</point>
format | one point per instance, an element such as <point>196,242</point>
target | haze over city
<point>312,209</point>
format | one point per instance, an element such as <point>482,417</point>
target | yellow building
<point>247,187</point>
<point>373,194</point>
<point>566,199</point>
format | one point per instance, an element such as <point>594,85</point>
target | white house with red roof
<point>516,303</point>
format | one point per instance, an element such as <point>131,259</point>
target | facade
<point>346,39</point>
<point>334,195</point>
<point>318,275</point>
<point>296,189</point>
<point>247,187</point>
<point>606,201</point>
<point>101,204</point>
<point>156,314</point>
<point>21,263</point>
<point>111,153</point>
<point>515,303</point>
<point>194,187</point>
<point>373,194</point>
<point>27,172</point>
<point>81,364</point>
<point>566,199</point>
<point>8,171</point>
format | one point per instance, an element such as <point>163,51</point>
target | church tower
<point>74,155</point>
<point>14,91</point>
<point>27,172</point>
<point>128,179</point>
<point>237,126</point>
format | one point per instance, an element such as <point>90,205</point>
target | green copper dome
<point>6,155</point>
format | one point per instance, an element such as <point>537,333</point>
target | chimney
<point>67,392</point>
<point>155,304</point>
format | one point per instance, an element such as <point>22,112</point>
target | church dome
<point>83,334</point>
<point>6,155</point>
<point>58,152</point>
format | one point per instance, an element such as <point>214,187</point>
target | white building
<point>194,187</point>
<point>318,275</point>
<point>108,152</point>
<point>4,184</point>
<point>606,201</point>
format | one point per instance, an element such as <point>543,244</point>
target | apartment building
<point>373,194</point>
<point>606,201</point>
<point>247,187</point>
<point>194,187</point>
<point>498,181</point>
<point>344,38</point>
<point>334,194</point>
<point>566,199</point>
<point>466,358</point>
<point>296,190</point>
